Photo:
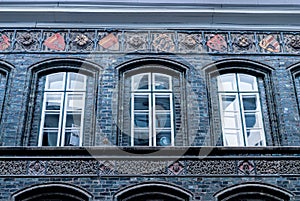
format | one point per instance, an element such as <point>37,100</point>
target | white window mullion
<point>153,120</point>
<point>260,119</point>
<point>42,121</point>
<point>63,123</point>
<point>244,126</point>
<point>172,121</point>
<point>82,119</point>
<point>132,119</point>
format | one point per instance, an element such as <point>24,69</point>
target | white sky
<point>181,2</point>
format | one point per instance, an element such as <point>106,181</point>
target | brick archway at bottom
<point>52,192</point>
<point>153,192</point>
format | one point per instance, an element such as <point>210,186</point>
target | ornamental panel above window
<point>240,109</point>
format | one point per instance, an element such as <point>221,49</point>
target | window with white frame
<point>152,121</point>
<point>240,108</point>
<point>63,109</point>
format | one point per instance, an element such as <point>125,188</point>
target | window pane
<point>141,82</point>
<point>252,120</point>
<point>141,120</point>
<point>161,82</point>
<point>141,102</point>
<point>247,82</point>
<point>231,119</point>
<point>233,138</point>
<point>73,119</point>
<point>254,137</point>
<point>163,138</point>
<point>53,101</point>
<point>163,120</point>
<point>76,81</point>
<point>141,138</point>
<point>55,81</point>
<point>227,82</point>
<point>51,120</point>
<point>230,103</point>
<point>50,138</point>
<point>72,137</point>
<point>162,102</point>
<point>249,102</point>
<point>75,102</point>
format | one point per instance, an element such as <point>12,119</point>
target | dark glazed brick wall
<point>103,189</point>
<point>285,114</point>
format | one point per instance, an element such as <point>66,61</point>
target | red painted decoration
<point>55,42</point>
<point>4,42</point>
<point>109,41</point>
<point>217,43</point>
<point>270,43</point>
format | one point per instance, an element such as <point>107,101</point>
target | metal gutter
<point>61,9</point>
<point>130,14</point>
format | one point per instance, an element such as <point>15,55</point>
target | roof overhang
<point>143,14</point>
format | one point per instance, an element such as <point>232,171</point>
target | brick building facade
<point>122,102</point>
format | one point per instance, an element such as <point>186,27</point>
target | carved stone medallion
<point>246,167</point>
<point>28,41</point>
<point>136,41</point>
<point>106,167</point>
<point>189,42</point>
<point>243,42</point>
<point>163,42</point>
<point>295,42</point>
<point>176,168</point>
<point>217,42</point>
<point>292,43</point>
<point>36,168</point>
<point>81,41</point>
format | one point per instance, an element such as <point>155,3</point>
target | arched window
<point>240,109</point>
<point>241,104</point>
<point>295,71</point>
<point>253,192</point>
<point>152,110</point>
<point>153,192</point>
<point>5,69</point>
<point>64,97</point>
<point>52,192</point>
<point>62,116</point>
<point>151,107</point>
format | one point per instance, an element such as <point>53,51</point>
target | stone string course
<point>170,41</point>
<point>139,167</point>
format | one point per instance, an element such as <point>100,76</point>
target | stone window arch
<point>253,192</point>
<point>5,71</point>
<point>153,192</point>
<point>238,124</point>
<point>295,73</point>
<point>52,192</point>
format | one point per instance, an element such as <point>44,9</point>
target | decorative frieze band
<point>168,41</point>
<point>140,167</point>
